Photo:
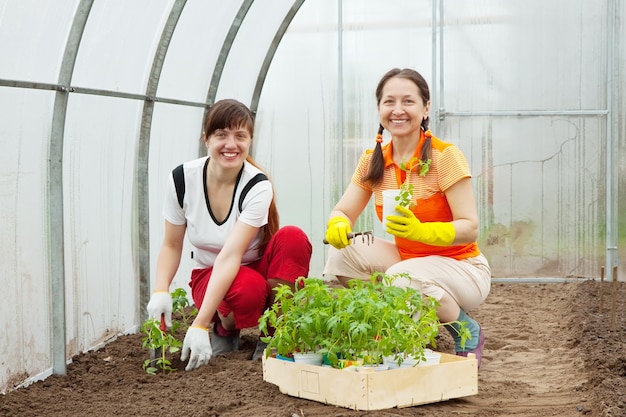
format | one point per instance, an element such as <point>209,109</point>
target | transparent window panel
<point>296,132</point>
<point>477,78</point>
<point>194,49</point>
<point>174,139</point>
<point>377,37</point>
<point>118,46</point>
<point>33,35</point>
<point>26,116</point>
<point>98,184</point>
<point>250,48</point>
<point>541,197</point>
<point>524,55</point>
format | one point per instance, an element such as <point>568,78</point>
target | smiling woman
<point>434,247</point>
<point>228,213</point>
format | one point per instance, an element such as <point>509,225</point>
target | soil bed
<point>549,351</point>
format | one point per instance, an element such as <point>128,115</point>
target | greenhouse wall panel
<point>33,35</point>
<point>250,48</point>
<point>175,138</point>
<point>99,161</point>
<point>108,58</point>
<point>194,49</point>
<point>24,277</point>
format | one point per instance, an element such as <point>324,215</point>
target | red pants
<point>286,257</point>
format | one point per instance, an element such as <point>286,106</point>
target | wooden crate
<point>454,377</point>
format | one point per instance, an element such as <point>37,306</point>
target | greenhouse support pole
<point>56,241</point>
<point>440,24</point>
<point>434,93</point>
<point>56,252</point>
<point>340,96</point>
<point>437,105</point>
<point>611,144</point>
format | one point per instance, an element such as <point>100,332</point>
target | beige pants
<point>468,281</point>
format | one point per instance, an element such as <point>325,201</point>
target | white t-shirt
<point>205,233</point>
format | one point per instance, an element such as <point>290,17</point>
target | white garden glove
<point>197,344</point>
<point>161,303</point>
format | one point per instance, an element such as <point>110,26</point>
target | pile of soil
<point>553,349</point>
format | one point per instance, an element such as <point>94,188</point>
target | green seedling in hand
<point>405,197</point>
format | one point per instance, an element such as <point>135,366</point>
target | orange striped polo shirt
<point>448,166</point>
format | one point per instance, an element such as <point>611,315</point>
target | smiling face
<point>228,131</point>
<point>401,107</point>
<point>229,146</point>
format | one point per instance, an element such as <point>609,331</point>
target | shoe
<point>222,345</point>
<point>259,351</point>
<point>478,351</point>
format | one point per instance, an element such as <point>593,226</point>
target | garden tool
<point>366,237</point>
<point>155,354</point>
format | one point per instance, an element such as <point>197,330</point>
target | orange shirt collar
<point>388,150</point>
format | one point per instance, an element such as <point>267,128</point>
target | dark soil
<point>549,351</point>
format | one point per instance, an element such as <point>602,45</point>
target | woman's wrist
<point>201,321</point>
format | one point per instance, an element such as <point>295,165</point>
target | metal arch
<point>142,190</point>
<point>269,56</point>
<point>228,43</point>
<point>218,69</point>
<point>54,201</point>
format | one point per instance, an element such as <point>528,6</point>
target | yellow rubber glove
<point>409,227</point>
<point>337,232</point>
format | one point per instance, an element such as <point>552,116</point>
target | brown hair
<point>229,113</point>
<point>377,163</point>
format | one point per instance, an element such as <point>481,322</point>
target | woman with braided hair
<point>435,239</point>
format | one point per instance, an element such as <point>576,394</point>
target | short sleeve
<point>452,167</point>
<point>361,170</point>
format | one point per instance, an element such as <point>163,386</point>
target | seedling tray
<point>453,377</point>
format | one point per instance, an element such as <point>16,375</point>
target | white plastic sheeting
<point>112,93</point>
